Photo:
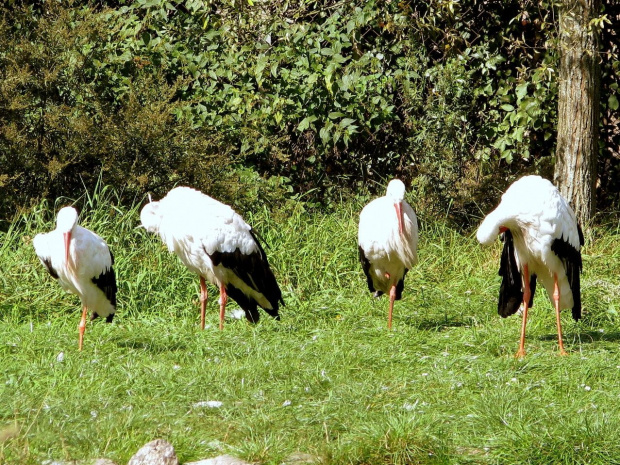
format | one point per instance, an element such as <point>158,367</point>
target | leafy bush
<point>68,124</point>
<point>254,101</point>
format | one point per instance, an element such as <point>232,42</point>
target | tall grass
<point>329,379</point>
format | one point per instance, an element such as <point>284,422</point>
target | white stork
<point>388,240</point>
<point>82,263</point>
<point>542,239</point>
<point>213,241</point>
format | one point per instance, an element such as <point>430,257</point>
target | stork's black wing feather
<point>366,267</point>
<point>571,258</point>
<point>47,261</point>
<point>254,270</point>
<point>106,281</point>
<point>249,305</point>
<point>400,286</point>
<point>511,288</point>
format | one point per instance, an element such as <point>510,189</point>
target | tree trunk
<point>578,106</point>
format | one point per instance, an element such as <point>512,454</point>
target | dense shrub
<point>249,100</point>
<point>609,161</point>
<point>63,131</point>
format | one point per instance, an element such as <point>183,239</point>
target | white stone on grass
<point>208,403</point>
<point>157,452</point>
<point>79,462</point>
<point>221,460</point>
<point>300,458</point>
<point>236,314</point>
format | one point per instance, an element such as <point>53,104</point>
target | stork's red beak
<point>67,237</point>
<point>502,229</point>
<point>399,215</point>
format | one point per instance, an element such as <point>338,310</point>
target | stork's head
<point>65,222</point>
<point>396,190</point>
<point>496,223</point>
<point>396,193</point>
<point>150,217</point>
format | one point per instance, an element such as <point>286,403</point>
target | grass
<point>329,379</point>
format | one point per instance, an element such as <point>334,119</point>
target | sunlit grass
<point>329,379</point>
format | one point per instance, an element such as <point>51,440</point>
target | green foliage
<point>322,93</point>
<point>80,112</point>
<point>315,98</point>
<point>304,93</point>
<point>609,160</point>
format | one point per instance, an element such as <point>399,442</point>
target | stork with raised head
<point>82,263</point>
<point>542,240</point>
<point>387,243</point>
<point>213,241</point>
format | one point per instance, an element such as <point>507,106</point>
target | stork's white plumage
<point>212,240</point>
<point>82,263</point>
<point>388,241</point>
<point>542,240</point>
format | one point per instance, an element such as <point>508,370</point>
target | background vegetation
<point>258,101</point>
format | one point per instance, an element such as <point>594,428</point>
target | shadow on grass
<point>151,345</point>
<point>439,323</point>
<point>585,337</point>
<point>13,314</point>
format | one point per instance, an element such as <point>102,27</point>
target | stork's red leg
<point>82,327</point>
<point>203,301</point>
<point>392,298</point>
<point>556,300</point>
<point>526,303</point>
<point>223,299</point>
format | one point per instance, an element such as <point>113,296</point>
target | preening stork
<point>82,263</point>
<point>388,241</point>
<point>213,241</point>
<point>542,240</point>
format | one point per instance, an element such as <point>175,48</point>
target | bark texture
<point>578,106</point>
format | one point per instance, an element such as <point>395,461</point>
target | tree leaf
<point>305,123</point>
<point>521,90</point>
<point>324,134</point>
<point>346,122</point>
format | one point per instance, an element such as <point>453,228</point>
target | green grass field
<point>329,379</point>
